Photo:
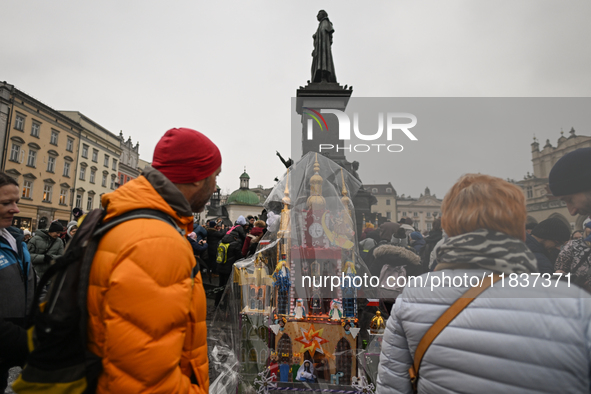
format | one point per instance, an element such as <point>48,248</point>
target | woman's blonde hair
<point>482,201</point>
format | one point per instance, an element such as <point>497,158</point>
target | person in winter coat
<point>252,239</point>
<point>214,235</point>
<point>17,282</point>
<point>386,230</point>
<point>393,261</point>
<point>46,246</point>
<point>516,338</point>
<point>547,237</point>
<point>372,239</point>
<point>70,234</point>
<point>417,241</point>
<point>146,302</point>
<point>235,238</point>
<point>431,240</point>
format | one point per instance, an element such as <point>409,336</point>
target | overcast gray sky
<point>229,69</point>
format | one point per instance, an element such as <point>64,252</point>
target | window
<point>70,145</point>
<point>403,214</point>
<point>78,201</point>
<point>388,190</point>
<point>428,214</point>
<point>429,226</point>
<point>374,190</point>
<point>106,160</point>
<point>89,202</point>
<point>92,175</point>
<point>415,214</point>
<point>32,160</point>
<point>113,182</point>
<point>388,215</point>
<point>47,193</point>
<point>114,164</point>
<point>121,179</point>
<point>82,173</point>
<point>19,123</point>
<point>388,202</point>
<point>35,129</point>
<point>15,152</point>
<point>95,155</point>
<point>85,151</point>
<point>67,169</point>
<point>63,196</point>
<point>530,192</point>
<point>51,164</point>
<point>53,137</point>
<point>104,183</point>
<point>27,187</point>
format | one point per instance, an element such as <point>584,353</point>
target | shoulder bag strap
<point>442,322</point>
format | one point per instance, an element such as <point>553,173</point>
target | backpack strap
<point>458,306</point>
<point>139,214</point>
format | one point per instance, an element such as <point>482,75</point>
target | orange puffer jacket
<point>147,315</point>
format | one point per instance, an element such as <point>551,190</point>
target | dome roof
<point>244,197</point>
<point>244,175</point>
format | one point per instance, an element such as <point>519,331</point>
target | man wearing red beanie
<point>146,302</point>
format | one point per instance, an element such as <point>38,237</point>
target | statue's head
<point>321,15</point>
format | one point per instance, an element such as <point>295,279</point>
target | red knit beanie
<point>186,156</point>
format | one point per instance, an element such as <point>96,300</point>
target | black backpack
<point>59,361</point>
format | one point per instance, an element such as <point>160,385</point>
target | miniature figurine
<point>295,366</point>
<point>335,310</point>
<point>377,325</point>
<point>282,283</point>
<point>273,366</point>
<point>284,369</point>
<point>299,312</point>
<point>306,373</point>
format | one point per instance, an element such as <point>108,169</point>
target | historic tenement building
<point>40,151</point>
<point>98,162</point>
<point>386,200</point>
<point>130,160</point>
<point>422,210</point>
<point>541,204</point>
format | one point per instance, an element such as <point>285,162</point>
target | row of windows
<point>92,178</point>
<point>48,192</point>
<point>95,153</point>
<point>375,190</point>
<point>416,214</point>
<point>19,124</point>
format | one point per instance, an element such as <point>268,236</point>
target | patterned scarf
<point>488,249</point>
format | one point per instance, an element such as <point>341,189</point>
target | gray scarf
<point>488,249</point>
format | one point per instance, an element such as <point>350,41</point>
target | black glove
<point>47,259</point>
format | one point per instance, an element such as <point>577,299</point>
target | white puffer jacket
<point>523,339</point>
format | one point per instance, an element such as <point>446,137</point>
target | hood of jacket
<point>396,255</point>
<point>151,190</point>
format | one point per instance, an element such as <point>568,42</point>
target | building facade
<point>129,161</point>
<point>40,151</point>
<point>98,162</point>
<point>386,200</point>
<point>541,205</point>
<point>423,210</point>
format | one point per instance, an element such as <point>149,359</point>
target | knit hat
<point>552,229</point>
<point>211,223</point>
<point>193,236</point>
<point>186,156</point>
<point>26,232</point>
<point>572,173</point>
<point>241,221</point>
<point>77,213</point>
<point>55,227</point>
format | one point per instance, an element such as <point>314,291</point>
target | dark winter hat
<point>572,173</point>
<point>186,156</point>
<point>211,223</point>
<point>553,230</point>
<point>77,213</point>
<point>55,227</point>
<point>530,225</point>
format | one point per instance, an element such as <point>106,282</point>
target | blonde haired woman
<point>519,336</point>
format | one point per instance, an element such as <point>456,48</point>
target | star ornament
<point>312,341</point>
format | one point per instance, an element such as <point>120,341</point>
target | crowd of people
<point>146,303</point>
